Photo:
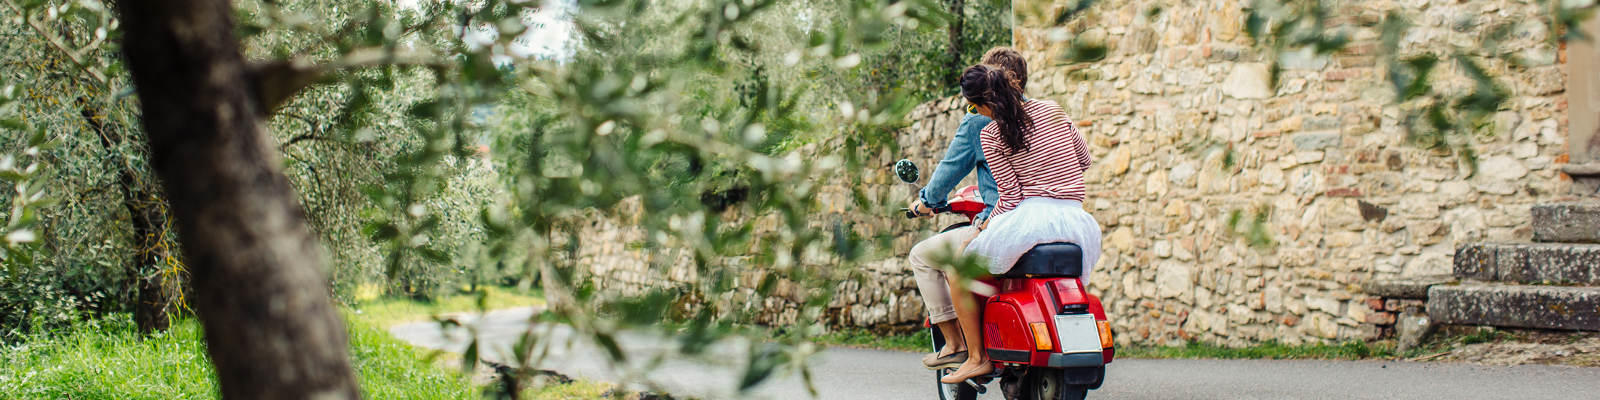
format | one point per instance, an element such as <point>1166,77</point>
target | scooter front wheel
<point>949,391</point>
<point>1049,384</point>
<point>954,391</point>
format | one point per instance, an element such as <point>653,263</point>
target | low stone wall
<point>1346,200</point>
<point>1186,133</point>
<point>882,296</point>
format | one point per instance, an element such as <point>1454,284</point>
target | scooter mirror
<point>907,171</point>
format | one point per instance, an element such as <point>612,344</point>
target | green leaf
<point>13,124</point>
<point>433,255</point>
<point>609,344</point>
<point>1254,25</point>
<point>381,231</point>
<point>469,358</point>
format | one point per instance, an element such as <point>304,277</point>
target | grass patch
<point>1270,350</point>
<point>1448,338</point>
<point>918,341</point>
<point>386,311</point>
<point>576,390</point>
<point>108,359</point>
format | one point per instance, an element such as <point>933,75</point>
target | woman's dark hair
<point>999,90</point>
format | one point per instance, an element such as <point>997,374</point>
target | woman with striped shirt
<point>1038,159</point>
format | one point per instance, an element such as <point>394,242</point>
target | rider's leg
<point>971,317</point>
<point>953,341</point>
<point>933,285</point>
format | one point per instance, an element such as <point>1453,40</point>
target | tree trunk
<point>270,326</point>
<point>147,214</point>
<point>156,291</point>
<point>955,66</point>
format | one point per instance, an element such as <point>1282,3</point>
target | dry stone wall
<point>1187,131</point>
<point>881,294</point>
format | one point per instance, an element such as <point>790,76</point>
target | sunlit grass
<point>862,338</point>
<point>108,359</point>
<point>575,390</point>
<point>385,311</point>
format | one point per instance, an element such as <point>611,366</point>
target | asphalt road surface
<point>842,373</point>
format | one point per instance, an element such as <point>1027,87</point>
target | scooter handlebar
<point>911,214</point>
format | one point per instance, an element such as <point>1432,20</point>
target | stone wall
<point>880,295</point>
<point>1347,200</point>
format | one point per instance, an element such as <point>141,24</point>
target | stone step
<point>1410,287</point>
<point>1550,263</point>
<point>1585,178</point>
<point>1575,222</point>
<point>1521,306</point>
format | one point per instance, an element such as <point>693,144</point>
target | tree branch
<point>305,137</point>
<point>275,82</point>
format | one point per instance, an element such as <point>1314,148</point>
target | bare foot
<point>971,369</point>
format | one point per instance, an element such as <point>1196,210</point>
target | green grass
<point>577,390</point>
<point>1270,350</point>
<point>1353,350</point>
<point>108,359</point>
<point>918,341</point>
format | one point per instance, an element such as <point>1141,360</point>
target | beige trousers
<point>931,279</point>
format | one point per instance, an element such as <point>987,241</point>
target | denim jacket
<point>964,155</point>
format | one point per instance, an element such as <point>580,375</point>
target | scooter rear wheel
<point>1049,384</point>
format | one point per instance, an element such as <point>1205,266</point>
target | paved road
<point>873,374</point>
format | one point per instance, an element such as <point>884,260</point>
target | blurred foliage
<point>1252,227</point>
<point>433,154</point>
<point>58,79</point>
<point>1075,28</point>
<point>26,298</point>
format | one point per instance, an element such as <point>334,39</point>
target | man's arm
<point>959,160</point>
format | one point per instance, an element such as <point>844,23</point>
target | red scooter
<point>1048,337</point>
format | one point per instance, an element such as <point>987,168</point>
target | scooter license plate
<point>1077,333</point>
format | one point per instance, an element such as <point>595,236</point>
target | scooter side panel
<point>1005,330</point>
<point>1030,300</point>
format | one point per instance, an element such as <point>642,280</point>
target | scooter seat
<point>1048,260</point>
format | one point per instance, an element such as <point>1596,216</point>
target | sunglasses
<point>972,108</point>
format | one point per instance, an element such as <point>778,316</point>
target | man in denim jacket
<point>963,156</point>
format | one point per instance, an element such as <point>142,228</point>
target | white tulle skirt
<point>1038,220</point>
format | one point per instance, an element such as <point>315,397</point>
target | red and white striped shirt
<point>1053,165</point>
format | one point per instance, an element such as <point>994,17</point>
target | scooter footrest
<point>977,387</point>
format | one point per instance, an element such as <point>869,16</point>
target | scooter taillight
<point>1069,299</point>
<point>1105,333</point>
